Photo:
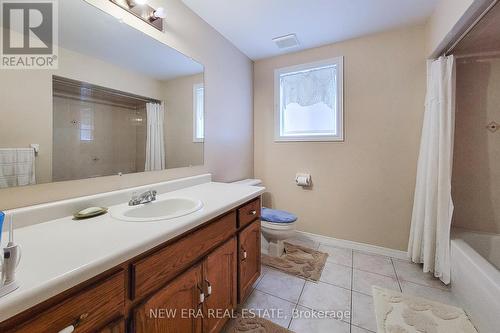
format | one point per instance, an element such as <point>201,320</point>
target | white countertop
<point>62,253</point>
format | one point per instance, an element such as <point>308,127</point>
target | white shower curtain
<point>155,145</point>
<point>433,207</point>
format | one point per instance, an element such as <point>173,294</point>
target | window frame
<point>197,86</point>
<point>89,128</point>
<point>339,62</point>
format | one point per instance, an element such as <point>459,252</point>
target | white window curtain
<point>433,206</point>
<point>310,87</point>
<point>155,144</point>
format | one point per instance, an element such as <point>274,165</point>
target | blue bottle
<point>2,217</point>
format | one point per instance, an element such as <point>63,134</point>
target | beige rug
<point>399,313</point>
<point>298,260</point>
<point>253,325</point>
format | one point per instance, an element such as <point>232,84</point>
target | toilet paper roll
<point>303,180</point>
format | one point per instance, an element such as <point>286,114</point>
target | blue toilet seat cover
<point>277,216</point>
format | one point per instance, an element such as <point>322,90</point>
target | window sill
<point>309,139</point>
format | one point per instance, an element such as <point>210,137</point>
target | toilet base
<point>273,242</point>
<point>276,248</point>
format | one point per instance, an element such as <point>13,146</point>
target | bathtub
<point>475,276</point>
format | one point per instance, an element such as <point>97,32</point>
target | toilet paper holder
<point>303,179</point>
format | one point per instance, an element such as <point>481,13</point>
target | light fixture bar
<point>142,10</point>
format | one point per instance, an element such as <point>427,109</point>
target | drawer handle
<point>209,288</point>
<point>77,322</point>
<point>68,329</point>
<point>202,298</point>
<point>202,295</point>
<point>244,255</point>
<point>252,212</point>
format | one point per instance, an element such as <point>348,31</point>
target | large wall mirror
<point>120,102</point>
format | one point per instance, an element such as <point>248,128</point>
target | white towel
<point>17,167</point>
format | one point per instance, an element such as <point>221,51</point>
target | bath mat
<point>400,313</point>
<point>253,325</point>
<point>299,261</point>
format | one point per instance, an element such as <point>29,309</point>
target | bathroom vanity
<point>127,270</point>
<point>187,283</point>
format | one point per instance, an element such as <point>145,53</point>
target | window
<point>198,113</point>
<point>309,102</point>
<point>86,124</point>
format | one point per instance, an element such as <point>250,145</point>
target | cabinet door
<point>248,259</point>
<point>176,308</point>
<point>220,268</point>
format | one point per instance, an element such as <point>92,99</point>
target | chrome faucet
<point>143,198</point>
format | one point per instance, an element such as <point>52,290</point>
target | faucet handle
<point>134,199</point>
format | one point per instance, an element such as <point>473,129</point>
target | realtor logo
<point>29,34</point>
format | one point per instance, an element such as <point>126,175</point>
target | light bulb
<point>160,13</point>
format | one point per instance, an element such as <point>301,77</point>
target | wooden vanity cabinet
<point>157,268</point>
<point>221,290</point>
<point>195,301</point>
<point>85,310</point>
<point>173,308</point>
<point>248,259</point>
<point>191,283</point>
<point>248,213</point>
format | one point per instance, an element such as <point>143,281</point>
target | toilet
<point>276,225</point>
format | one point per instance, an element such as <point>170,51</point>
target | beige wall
<point>179,146</point>
<point>476,170</point>
<point>363,187</point>
<point>228,88</point>
<point>442,21</point>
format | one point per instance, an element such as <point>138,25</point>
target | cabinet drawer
<point>91,308</point>
<point>249,213</point>
<point>153,271</point>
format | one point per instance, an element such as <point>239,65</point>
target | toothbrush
<point>11,256</point>
<point>2,216</point>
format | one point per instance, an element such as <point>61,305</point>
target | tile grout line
<point>364,270</point>
<point>267,293</point>
<point>413,282</point>
<point>297,304</point>
<point>335,285</point>
<point>397,276</point>
<point>336,263</point>
<point>363,328</point>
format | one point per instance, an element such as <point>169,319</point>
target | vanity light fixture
<point>142,10</point>
<point>159,13</point>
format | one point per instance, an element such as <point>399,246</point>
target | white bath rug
<point>399,313</point>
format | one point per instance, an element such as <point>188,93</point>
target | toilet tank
<point>249,182</point>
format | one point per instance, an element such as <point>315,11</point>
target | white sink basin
<point>165,209</point>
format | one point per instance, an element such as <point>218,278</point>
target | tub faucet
<point>143,198</point>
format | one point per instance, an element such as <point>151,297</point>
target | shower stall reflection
<point>96,131</point>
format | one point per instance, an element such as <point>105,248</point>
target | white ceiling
<point>85,29</point>
<point>252,24</point>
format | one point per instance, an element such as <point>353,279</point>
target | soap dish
<point>90,212</point>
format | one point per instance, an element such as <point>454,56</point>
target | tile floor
<point>345,285</point>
